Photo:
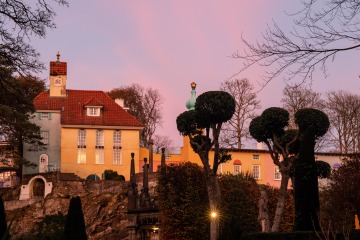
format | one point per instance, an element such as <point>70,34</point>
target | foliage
<point>184,186</point>
<point>144,104</point>
<point>113,175</point>
<point>312,117</point>
<point>183,202</point>
<point>323,169</point>
<point>75,224</point>
<point>340,198</point>
<point>3,223</point>
<point>16,112</point>
<point>287,222</point>
<point>235,130</point>
<point>239,206</point>
<point>51,227</point>
<point>20,20</point>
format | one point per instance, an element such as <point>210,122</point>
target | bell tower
<point>58,72</point>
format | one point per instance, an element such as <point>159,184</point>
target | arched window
<point>43,163</point>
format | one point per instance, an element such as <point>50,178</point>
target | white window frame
<point>45,137</point>
<point>81,154</point>
<point>99,147</point>
<point>277,173</point>
<point>117,158</point>
<point>237,169</point>
<point>256,172</point>
<point>93,111</point>
<point>256,156</point>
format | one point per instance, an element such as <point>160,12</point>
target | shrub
<point>113,175</point>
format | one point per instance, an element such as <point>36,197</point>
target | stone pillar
<point>163,158</point>
<point>151,162</point>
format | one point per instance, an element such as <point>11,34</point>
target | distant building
<point>85,132</point>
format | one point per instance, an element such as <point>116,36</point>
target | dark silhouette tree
<point>212,109</point>
<point>322,30</point>
<point>75,224</point>
<point>16,112</point>
<point>312,124</point>
<point>20,20</point>
<point>269,128</point>
<point>3,223</point>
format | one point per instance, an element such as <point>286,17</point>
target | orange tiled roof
<point>73,111</point>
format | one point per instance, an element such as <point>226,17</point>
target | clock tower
<point>58,72</point>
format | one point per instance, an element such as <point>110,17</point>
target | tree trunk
<point>281,202</point>
<point>214,195</point>
<point>263,211</point>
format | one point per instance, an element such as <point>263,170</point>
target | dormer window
<point>93,111</point>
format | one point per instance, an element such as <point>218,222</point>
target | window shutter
<point>39,115</point>
<point>49,116</point>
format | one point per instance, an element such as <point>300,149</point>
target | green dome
<point>190,104</point>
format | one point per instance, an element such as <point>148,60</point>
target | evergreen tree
<point>75,224</point>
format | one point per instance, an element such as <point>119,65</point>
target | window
<point>81,157</point>
<point>256,157</point>
<point>256,172</point>
<point>44,115</point>
<point>117,148</point>
<point>93,111</point>
<point>277,174</point>
<point>45,137</point>
<point>99,145</point>
<point>237,169</point>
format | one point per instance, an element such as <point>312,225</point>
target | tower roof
<point>190,104</point>
<point>57,67</point>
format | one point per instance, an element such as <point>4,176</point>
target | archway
<point>37,185</point>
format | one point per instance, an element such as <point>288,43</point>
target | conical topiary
<point>75,224</point>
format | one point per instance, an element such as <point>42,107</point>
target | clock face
<point>57,81</point>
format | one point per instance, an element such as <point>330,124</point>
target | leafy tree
<point>341,196</point>
<point>113,175</point>
<point>183,186</point>
<point>312,124</point>
<point>322,30</point>
<point>19,21</point>
<point>234,130</point>
<point>144,105</point>
<point>239,206</point>
<point>16,112</point>
<point>269,128</point>
<point>212,109</point>
<point>3,223</point>
<point>75,224</point>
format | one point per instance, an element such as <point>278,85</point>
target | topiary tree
<point>312,124</point>
<point>113,175</point>
<point>269,128</point>
<point>75,224</point>
<point>212,109</point>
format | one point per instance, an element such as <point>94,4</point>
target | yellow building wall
<point>69,152</point>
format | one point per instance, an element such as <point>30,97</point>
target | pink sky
<point>169,44</point>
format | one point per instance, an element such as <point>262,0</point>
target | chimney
<point>260,146</point>
<point>120,102</point>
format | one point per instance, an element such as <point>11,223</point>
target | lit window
<point>99,145</point>
<point>237,169</point>
<point>256,157</point>
<point>277,174</point>
<point>81,157</point>
<point>256,171</point>
<point>93,111</point>
<point>117,148</point>
<point>45,137</point>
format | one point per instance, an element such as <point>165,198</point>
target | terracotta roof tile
<point>73,111</point>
